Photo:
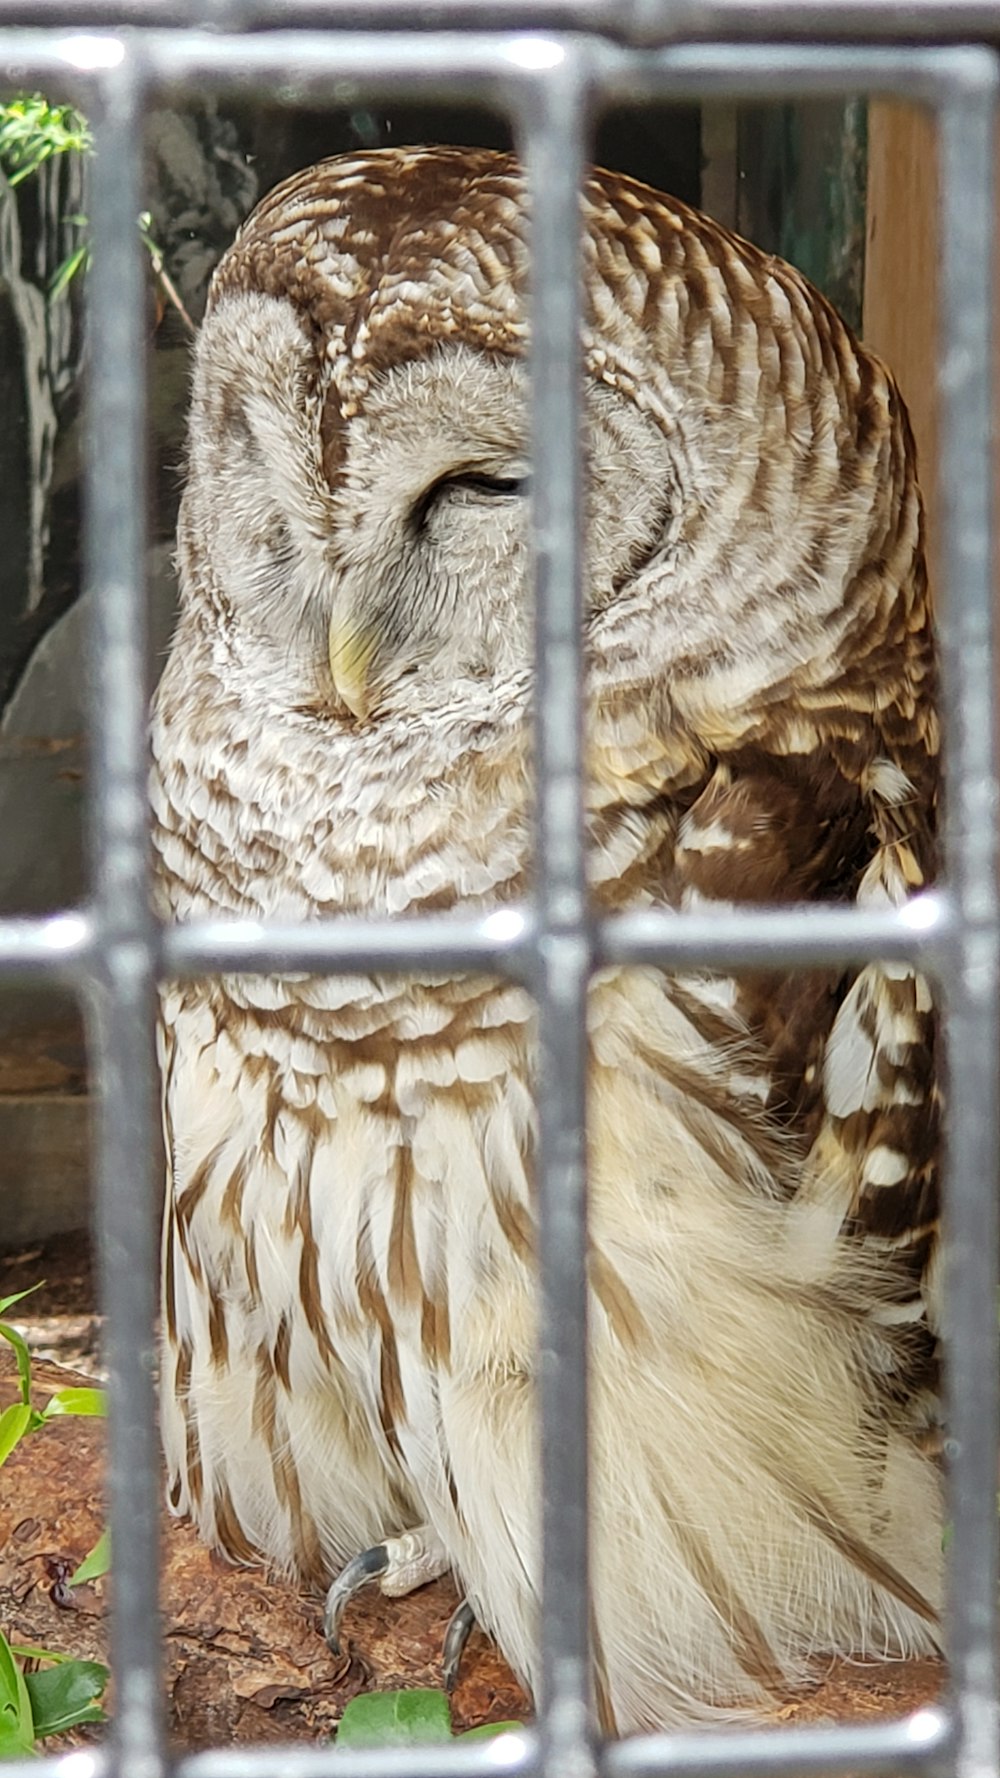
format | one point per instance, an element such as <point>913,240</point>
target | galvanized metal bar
<point>508,941</point>
<point>514,1755</point>
<point>122,995</point>
<point>633,22</point>
<point>94,1762</point>
<point>917,1744</point>
<point>505,942</point>
<point>972,1226</point>
<point>552,126</point>
<point>922,933</point>
<point>55,948</point>
<point>778,71</point>
<point>302,67</point>
<point>920,1743</point>
<point>62,947</point>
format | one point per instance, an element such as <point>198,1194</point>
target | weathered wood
<point>901,269</point>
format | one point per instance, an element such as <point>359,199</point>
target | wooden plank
<point>901,265</point>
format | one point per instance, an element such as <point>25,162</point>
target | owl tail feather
<point>874,1567</point>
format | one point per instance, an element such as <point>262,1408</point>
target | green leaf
<point>395,1719</point>
<point>11,1744</point>
<point>95,1563</point>
<point>66,271</point>
<point>27,1652</point>
<point>32,131</point>
<point>17,1725</point>
<point>15,1421</point>
<point>75,1401</point>
<point>66,1695</point>
<point>7,1302</point>
<point>487,1730</point>
<point>23,1356</point>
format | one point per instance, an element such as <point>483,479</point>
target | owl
<point>344,727</point>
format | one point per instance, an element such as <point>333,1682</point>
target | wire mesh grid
<point>112,951</point>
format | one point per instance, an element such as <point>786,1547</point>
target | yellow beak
<point>352,650</point>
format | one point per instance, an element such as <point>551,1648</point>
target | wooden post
<point>901,268</point>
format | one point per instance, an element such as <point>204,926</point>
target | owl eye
<point>470,488</point>
<point>487,484</point>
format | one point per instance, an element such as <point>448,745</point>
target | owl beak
<point>351,651</point>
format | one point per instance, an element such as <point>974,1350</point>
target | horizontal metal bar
<point>646,22</point>
<point>52,948</point>
<point>918,1743</point>
<point>68,946</point>
<point>514,1755</point>
<point>82,1762</point>
<point>503,941</point>
<point>735,70</point>
<point>921,932</point>
<point>298,68</point>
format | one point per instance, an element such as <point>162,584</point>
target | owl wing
<point>839,1064</point>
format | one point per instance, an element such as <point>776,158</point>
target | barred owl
<point>343,725</point>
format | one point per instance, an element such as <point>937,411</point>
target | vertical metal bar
<point>967,147</point>
<point>554,154</point>
<point>123,997</point>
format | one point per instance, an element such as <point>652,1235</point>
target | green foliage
<point>65,1692</point>
<point>95,1563</point>
<point>77,261</point>
<point>405,1719</point>
<point>32,131</point>
<point>22,1416</point>
<point>46,1701</point>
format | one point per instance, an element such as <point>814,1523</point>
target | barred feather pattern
<point>343,725</point>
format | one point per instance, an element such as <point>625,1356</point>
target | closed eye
<point>472,487</point>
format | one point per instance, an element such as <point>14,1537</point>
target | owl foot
<point>399,1564</point>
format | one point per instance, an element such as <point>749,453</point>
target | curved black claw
<point>356,1573</point>
<point>460,1627</point>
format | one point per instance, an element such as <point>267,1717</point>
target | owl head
<point>356,526</point>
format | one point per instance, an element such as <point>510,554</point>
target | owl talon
<point>460,1626</point>
<point>354,1575</point>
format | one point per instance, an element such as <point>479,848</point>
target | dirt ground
<point>245,1660</point>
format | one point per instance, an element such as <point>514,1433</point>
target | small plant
<point>39,1701</point>
<point>32,131</point>
<point>407,1719</point>
<point>22,1416</point>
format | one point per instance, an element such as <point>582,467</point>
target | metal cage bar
<point>972,1029</point>
<point>641,23</point>
<point>552,129</point>
<point>121,995</point>
<point>113,953</point>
